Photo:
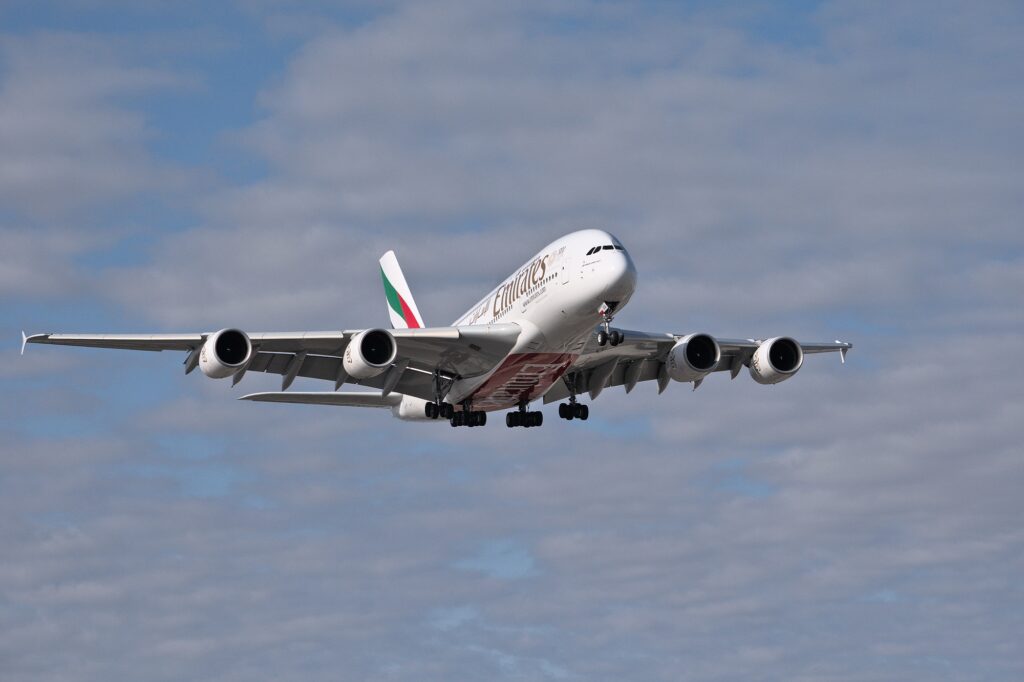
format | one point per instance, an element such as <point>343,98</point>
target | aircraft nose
<point>620,276</point>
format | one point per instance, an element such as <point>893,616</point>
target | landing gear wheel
<point>430,410</point>
<point>615,337</point>
<point>524,419</point>
<point>602,338</point>
<point>573,410</point>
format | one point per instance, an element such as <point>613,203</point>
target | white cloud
<point>67,142</point>
<point>858,522</point>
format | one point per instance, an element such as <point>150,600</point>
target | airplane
<point>545,333</point>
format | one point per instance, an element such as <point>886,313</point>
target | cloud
<point>734,151</point>
<point>857,522</point>
<point>67,144</point>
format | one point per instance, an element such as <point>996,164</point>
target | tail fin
<point>401,306</point>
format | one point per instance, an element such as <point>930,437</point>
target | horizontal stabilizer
<point>343,399</point>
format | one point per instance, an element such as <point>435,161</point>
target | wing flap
<point>413,381</point>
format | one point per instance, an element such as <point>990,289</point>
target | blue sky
<point>828,170</point>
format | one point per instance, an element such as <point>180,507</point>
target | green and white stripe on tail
<point>401,306</point>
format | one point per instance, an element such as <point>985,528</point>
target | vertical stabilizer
<point>401,306</point>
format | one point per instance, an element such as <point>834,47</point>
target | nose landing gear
<point>605,337</point>
<point>608,335</point>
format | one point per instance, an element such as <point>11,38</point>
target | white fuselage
<point>558,298</point>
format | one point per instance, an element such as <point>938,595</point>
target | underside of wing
<point>644,356</point>
<point>449,351</point>
<point>153,342</point>
<point>341,398</point>
<point>416,354</point>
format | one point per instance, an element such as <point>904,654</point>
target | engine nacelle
<point>693,357</point>
<point>224,353</point>
<point>410,409</point>
<point>776,360</point>
<point>369,353</point>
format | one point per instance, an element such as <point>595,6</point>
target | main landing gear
<point>439,410</point>
<point>523,418</point>
<point>573,410</point>
<point>469,418</point>
<point>442,410</point>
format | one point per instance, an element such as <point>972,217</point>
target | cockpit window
<point>618,247</point>
<point>607,247</point>
<point>592,250</point>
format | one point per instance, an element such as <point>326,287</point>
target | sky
<point>826,169</point>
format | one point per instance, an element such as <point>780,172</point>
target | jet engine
<point>224,353</point>
<point>369,353</point>
<point>693,357</point>
<point>776,360</point>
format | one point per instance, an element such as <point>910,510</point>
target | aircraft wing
<point>343,399</point>
<point>452,351</point>
<point>641,356</point>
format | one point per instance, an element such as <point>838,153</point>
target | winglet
<point>401,306</point>
<point>843,351</point>
<point>24,340</point>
